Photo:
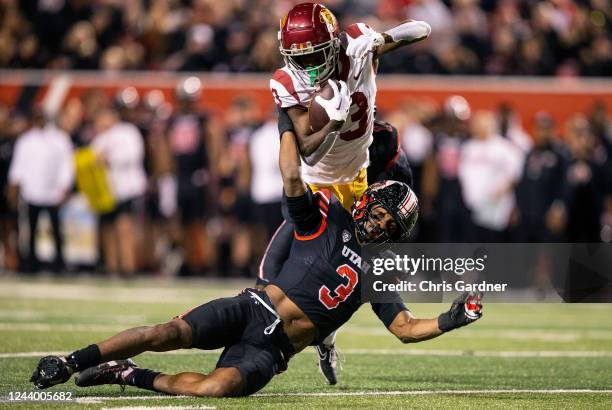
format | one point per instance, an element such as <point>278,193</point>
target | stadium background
<point>541,68</point>
<point>488,56</point>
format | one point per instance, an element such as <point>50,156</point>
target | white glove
<point>337,107</point>
<point>362,45</point>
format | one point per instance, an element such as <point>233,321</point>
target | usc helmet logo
<point>328,19</point>
<point>283,21</point>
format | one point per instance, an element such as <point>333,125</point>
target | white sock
<point>330,340</point>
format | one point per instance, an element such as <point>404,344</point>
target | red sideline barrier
<point>560,97</point>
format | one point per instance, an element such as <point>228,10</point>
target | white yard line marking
<point>530,334</point>
<point>43,316</point>
<point>154,407</point>
<point>97,399</point>
<point>47,327</point>
<point>522,334</point>
<point>101,399</point>
<point>433,392</point>
<point>382,352</point>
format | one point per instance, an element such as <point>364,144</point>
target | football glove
<point>466,309</point>
<point>337,107</point>
<point>362,45</point>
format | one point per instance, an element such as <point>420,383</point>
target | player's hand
<point>337,107</point>
<point>362,45</point>
<point>466,309</point>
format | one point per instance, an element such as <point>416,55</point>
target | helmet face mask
<point>397,199</point>
<point>371,231</point>
<point>309,41</point>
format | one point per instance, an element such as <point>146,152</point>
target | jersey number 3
<point>342,291</point>
<point>359,116</point>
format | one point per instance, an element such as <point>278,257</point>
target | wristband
<point>445,323</point>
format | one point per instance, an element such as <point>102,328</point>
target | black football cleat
<point>105,373</point>
<point>328,362</point>
<point>51,370</point>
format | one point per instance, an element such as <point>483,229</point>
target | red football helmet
<point>309,41</point>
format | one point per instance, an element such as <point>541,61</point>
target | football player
<point>260,330</point>
<point>337,156</point>
<point>387,161</point>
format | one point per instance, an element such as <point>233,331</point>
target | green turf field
<point>517,356</point>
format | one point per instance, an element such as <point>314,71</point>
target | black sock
<point>142,378</point>
<point>84,358</point>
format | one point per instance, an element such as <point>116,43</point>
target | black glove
<point>466,309</point>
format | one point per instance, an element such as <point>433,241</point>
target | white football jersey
<point>350,151</point>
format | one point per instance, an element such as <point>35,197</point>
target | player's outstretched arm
<point>406,33</point>
<point>289,163</point>
<point>301,205</point>
<point>381,43</point>
<point>466,309</point>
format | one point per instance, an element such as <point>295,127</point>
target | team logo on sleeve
<point>346,236</point>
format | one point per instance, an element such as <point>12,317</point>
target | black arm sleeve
<point>387,312</point>
<point>284,122</point>
<point>303,211</point>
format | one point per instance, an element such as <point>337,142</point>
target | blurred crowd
<point>192,193</point>
<point>197,194</point>
<point>496,37</point>
<point>481,177</point>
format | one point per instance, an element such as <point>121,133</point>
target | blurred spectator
<point>416,139</point>
<point>585,178</point>
<point>521,37</point>
<point>81,47</point>
<point>266,181</point>
<point>151,115</point>
<point>235,206</point>
<point>42,174</point>
<point>437,14</point>
<point>119,146</point>
<point>540,192</point>
<point>194,152</point>
<point>489,168</point>
<point>510,127</point>
<point>442,199</point>
<point>8,215</point>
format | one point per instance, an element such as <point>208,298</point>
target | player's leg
<point>250,359</point>
<point>400,170</point>
<point>221,382</point>
<point>172,335</point>
<point>208,326</point>
<point>328,358</point>
<point>276,254</point>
